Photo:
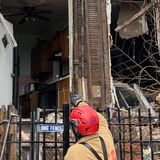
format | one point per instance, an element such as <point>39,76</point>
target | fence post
<point>44,135</point>
<point>32,137</point>
<point>140,132</point>
<point>150,131</point>
<point>55,135</point>
<point>66,128</point>
<point>108,117</point>
<point>20,131</point>
<point>120,134</point>
<point>38,110</point>
<point>130,133</point>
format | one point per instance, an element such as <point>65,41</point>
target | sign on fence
<point>50,127</point>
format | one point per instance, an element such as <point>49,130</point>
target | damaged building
<point>135,45</point>
<point>107,51</point>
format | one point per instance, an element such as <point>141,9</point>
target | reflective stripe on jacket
<point>80,152</point>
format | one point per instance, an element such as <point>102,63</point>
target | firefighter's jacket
<point>80,152</point>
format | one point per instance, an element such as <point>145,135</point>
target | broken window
<point>127,97</point>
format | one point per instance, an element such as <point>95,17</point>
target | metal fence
<point>136,133</point>
<point>45,135</point>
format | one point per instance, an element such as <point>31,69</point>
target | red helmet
<point>85,119</point>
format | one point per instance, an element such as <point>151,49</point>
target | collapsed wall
<point>91,52</point>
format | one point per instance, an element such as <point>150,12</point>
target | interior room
<point>41,31</point>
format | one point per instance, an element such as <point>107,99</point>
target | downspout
<point>70,28</point>
<point>15,77</point>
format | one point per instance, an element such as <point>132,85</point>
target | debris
<point>140,13</point>
<point>158,98</point>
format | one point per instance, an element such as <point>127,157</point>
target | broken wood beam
<point>137,15</point>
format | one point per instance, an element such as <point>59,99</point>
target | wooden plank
<point>63,92</point>
<point>12,133</point>
<point>2,116</point>
<point>13,136</point>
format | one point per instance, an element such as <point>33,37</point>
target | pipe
<point>82,49</point>
<point>38,110</point>
<point>70,28</point>
<point>15,77</point>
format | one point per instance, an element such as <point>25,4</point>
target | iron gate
<point>136,135</point>
<point>44,136</point>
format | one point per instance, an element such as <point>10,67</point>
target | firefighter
<point>94,139</point>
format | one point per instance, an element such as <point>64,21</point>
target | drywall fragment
<point>135,24</point>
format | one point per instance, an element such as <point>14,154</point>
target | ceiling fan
<point>30,14</point>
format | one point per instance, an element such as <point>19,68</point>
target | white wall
<point>6,68</point>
